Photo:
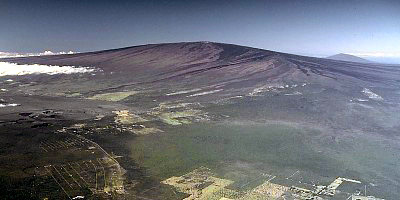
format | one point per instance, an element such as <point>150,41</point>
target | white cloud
<point>45,53</point>
<point>8,105</point>
<point>13,69</point>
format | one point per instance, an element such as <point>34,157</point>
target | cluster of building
<point>202,184</point>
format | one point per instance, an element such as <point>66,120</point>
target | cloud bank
<point>45,53</point>
<point>13,69</point>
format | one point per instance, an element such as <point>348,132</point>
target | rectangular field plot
<point>64,181</point>
<point>100,176</point>
<point>66,143</point>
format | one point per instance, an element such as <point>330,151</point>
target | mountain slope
<point>202,64</point>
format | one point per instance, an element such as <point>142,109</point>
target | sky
<point>368,28</point>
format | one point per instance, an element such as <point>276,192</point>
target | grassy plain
<point>190,146</point>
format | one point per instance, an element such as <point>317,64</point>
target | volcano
<point>129,122</point>
<point>230,67</point>
<point>349,58</point>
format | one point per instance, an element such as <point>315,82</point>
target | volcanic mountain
<point>206,72</point>
<point>170,108</point>
<point>349,58</point>
<point>229,68</point>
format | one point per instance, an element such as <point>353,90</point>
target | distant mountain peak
<point>349,58</point>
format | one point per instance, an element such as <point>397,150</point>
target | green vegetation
<point>115,96</point>
<point>126,117</point>
<point>146,131</point>
<point>179,118</point>
<point>76,94</point>
<point>206,144</point>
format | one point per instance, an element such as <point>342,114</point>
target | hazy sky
<point>321,27</point>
